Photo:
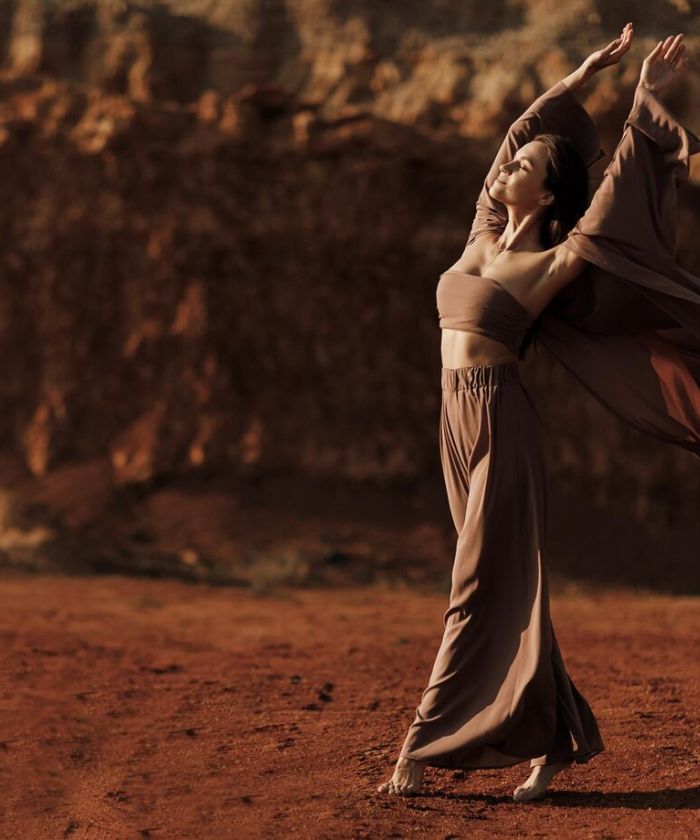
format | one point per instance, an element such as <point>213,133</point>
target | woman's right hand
<point>664,64</point>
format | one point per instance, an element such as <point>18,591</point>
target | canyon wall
<point>223,224</point>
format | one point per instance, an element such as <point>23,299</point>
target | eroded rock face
<point>224,222</point>
<point>462,65</point>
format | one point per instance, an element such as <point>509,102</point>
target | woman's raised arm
<point>557,111</point>
<point>633,211</point>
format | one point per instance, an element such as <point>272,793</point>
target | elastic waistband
<point>479,376</point>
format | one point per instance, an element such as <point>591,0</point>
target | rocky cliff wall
<point>223,223</point>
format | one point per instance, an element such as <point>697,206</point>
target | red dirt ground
<point>137,708</point>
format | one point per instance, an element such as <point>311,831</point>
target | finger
<point>676,40</point>
<point>667,43</point>
<point>672,51</point>
<point>627,43</point>
<point>623,43</point>
<point>680,51</point>
<point>679,57</point>
<point>674,56</point>
<point>624,35</point>
<point>619,51</point>
<point>662,47</point>
<point>656,52</point>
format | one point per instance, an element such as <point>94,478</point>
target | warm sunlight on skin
<point>521,180</point>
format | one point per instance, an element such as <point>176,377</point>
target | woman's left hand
<point>610,54</point>
<point>664,64</point>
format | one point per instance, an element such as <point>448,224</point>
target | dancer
<point>598,287</point>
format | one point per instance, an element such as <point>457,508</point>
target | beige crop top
<point>481,305</point>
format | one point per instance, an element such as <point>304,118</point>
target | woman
<point>618,312</point>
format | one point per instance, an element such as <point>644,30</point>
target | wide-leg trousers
<point>499,692</point>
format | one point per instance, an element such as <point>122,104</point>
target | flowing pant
<point>499,692</point>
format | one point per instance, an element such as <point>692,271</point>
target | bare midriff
<point>460,348</point>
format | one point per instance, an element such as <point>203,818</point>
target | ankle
<point>558,765</point>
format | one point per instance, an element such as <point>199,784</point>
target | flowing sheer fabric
<point>628,328</point>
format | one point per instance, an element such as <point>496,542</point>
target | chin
<point>496,190</point>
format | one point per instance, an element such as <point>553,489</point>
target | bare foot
<point>407,778</point>
<point>536,785</point>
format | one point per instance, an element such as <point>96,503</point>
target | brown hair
<point>567,180</point>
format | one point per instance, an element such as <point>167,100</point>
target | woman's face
<point>521,180</point>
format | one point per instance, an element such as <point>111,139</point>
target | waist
<point>463,348</point>
<point>479,376</point>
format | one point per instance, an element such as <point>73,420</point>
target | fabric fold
<point>629,329</point>
<point>498,692</point>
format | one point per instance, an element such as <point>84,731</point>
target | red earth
<point>141,708</point>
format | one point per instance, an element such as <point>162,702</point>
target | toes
<point>527,794</point>
<point>399,788</point>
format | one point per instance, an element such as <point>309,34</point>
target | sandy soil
<point>138,708</point>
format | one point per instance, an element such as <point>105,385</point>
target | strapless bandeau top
<point>481,305</point>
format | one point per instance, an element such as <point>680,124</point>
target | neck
<point>522,232</point>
